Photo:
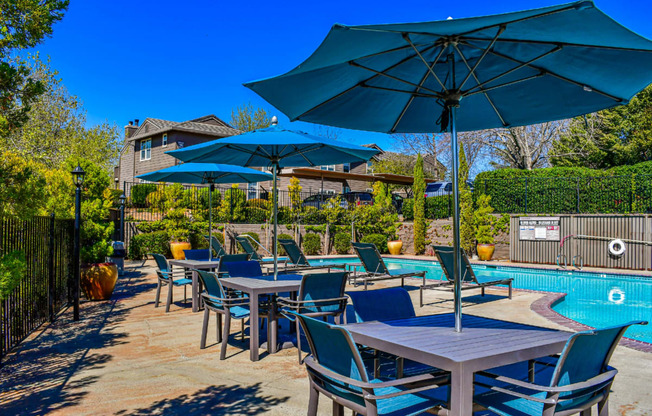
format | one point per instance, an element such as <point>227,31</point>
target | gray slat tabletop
<point>483,343</point>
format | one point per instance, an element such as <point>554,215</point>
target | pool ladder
<point>577,261</point>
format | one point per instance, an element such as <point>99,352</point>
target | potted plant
<point>177,226</point>
<point>484,228</point>
<point>395,247</point>
<point>98,277</point>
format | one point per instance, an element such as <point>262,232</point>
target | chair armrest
<point>298,303</point>
<point>592,382</point>
<point>226,302</point>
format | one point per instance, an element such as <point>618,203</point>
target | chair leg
<point>219,327</point>
<point>314,401</point>
<point>242,327</point>
<point>225,334</point>
<point>482,290</point>
<point>298,340</point>
<point>510,290</point>
<point>421,297</point>
<point>204,329</point>
<point>185,293</point>
<point>603,407</point>
<point>338,409</point>
<point>158,293</point>
<point>169,301</point>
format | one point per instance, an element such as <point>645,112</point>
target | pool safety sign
<point>539,228</point>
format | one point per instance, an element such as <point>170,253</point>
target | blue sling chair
<point>377,270</point>
<point>320,295</point>
<point>298,260</point>
<point>335,369</point>
<point>387,305</point>
<point>216,246</point>
<point>165,277</point>
<point>445,258</point>
<point>573,382</point>
<point>246,245</point>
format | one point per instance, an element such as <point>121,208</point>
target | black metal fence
<point>584,195</point>
<point>47,245</point>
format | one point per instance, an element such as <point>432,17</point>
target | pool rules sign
<point>539,228</point>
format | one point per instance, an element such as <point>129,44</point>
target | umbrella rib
<point>501,29</point>
<point>409,103</point>
<point>416,94</point>
<point>475,77</point>
<point>392,77</point>
<point>406,37</point>
<point>359,84</point>
<point>300,153</point>
<point>561,77</point>
<point>524,64</point>
<point>574,45</point>
<point>507,84</point>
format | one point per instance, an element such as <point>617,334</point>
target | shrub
<point>312,215</point>
<point>156,242</point>
<point>281,251</point>
<point>285,216</point>
<point>311,244</point>
<point>379,240</point>
<point>140,192</point>
<point>12,271</point>
<point>259,203</point>
<point>408,209</point>
<point>342,243</point>
<point>255,215</point>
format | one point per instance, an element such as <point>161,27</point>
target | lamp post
<point>78,180</point>
<point>122,199</point>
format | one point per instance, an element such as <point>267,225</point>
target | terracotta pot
<point>177,247</point>
<point>485,251</point>
<point>98,280</point>
<point>395,247</point>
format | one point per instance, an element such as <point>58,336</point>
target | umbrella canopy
<point>466,74</point>
<point>276,147</point>
<point>210,173</point>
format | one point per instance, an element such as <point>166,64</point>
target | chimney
<point>136,121</point>
<point>130,129</point>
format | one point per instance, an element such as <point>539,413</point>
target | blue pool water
<point>594,299</point>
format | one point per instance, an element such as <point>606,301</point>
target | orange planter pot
<point>98,280</point>
<point>485,251</point>
<point>395,247</point>
<point>177,248</point>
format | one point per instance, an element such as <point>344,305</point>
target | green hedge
<point>155,242</point>
<point>379,240</point>
<point>342,243</point>
<point>436,207</point>
<point>624,189</point>
<point>139,193</point>
<point>311,244</point>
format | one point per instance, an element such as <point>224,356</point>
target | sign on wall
<point>539,228</point>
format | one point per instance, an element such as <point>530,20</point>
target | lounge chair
<point>336,370</point>
<point>215,299</point>
<point>320,295</point>
<point>165,277</point>
<point>377,270</point>
<point>569,384</point>
<point>445,257</point>
<point>217,247</point>
<point>386,305</point>
<point>298,260</point>
<point>246,245</point>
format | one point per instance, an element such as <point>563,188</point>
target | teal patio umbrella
<point>468,74</point>
<point>277,148</point>
<point>206,173</point>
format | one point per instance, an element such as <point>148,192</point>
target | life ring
<point>616,296</point>
<point>616,247</point>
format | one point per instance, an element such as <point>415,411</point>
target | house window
<point>347,167</point>
<point>346,189</point>
<point>165,140</point>
<point>252,190</point>
<point>328,167</point>
<point>145,149</point>
<point>370,168</point>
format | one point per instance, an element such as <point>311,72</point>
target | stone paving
<point>125,357</point>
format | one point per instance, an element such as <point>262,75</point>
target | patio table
<point>483,343</point>
<point>195,264</point>
<point>255,287</point>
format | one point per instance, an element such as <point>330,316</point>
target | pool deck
<point>125,357</point>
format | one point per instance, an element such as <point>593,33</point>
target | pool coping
<point>543,305</point>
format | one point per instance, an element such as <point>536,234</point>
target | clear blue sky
<point>179,60</point>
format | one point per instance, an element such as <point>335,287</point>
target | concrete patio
<point>125,357</point>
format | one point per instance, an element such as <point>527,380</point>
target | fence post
<point>51,287</point>
<point>526,194</point>
<point>578,195</point>
<point>631,193</point>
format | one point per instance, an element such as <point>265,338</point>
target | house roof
<point>208,125</point>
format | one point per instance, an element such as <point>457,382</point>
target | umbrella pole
<point>457,263</point>
<point>210,222</point>
<point>275,215</point>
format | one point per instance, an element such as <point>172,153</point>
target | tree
<point>614,137</point>
<point>419,188</point>
<point>21,187</point>
<point>23,24</point>
<point>467,228</point>
<point>56,129</point>
<point>247,118</point>
<point>524,147</point>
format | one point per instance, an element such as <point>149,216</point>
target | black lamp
<point>78,176</point>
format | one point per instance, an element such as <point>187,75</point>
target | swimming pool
<point>593,299</point>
